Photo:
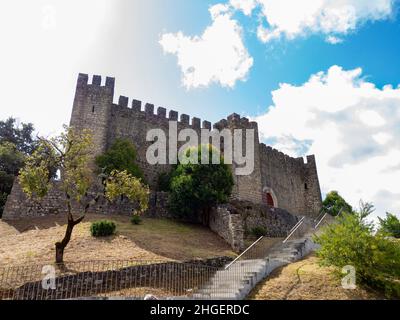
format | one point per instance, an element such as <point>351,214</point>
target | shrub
<point>351,241</point>
<point>102,228</point>
<point>136,219</point>
<point>258,232</point>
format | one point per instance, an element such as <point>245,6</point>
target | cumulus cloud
<point>330,17</point>
<point>352,126</point>
<point>217,56</point>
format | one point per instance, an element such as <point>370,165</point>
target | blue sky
<point>370,47</point>
<point>273,61</point>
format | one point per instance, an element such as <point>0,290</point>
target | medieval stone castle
<point>278,181</point>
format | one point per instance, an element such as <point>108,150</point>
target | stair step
<point>222,296</point>
<point>241,276</point>
<point>224,291</point>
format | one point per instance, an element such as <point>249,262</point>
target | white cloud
<point>351,126</point>
<point>382,137</point>
<point>333,40</point>
<point>371,118</point>
<point>330,17</point>
<point>206,59</point>
<point>217,56</point>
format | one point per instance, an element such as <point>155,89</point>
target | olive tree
<point>71,153</point>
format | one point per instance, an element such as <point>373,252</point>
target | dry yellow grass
<point>306,280</point>
<point>32,241</point>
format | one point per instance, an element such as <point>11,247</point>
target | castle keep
<point>278,181</point>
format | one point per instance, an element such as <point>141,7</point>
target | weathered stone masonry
<point>277,180</point>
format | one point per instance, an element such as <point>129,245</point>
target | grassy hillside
<point>306,280</point>
<point>32,241</point>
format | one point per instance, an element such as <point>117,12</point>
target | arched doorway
<point>269,198</point>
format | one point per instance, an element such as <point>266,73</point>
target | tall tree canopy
<point>390,225</point>
<point>16,141</point>
<point>334,204</point>
<point>196,188</point>
<point>21,135</point>
<point>121,157</point>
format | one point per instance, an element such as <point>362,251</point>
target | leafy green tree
<point>334,204</point>
<point>122,183</point>
<point>121,157</point>
<point>71,152</point>
<point>351,241</point>
<point>164,180</point>
<point>19,135</point>
<point>196,188</point>
<point>16,141</point>
<point>11,160</point>
<point>390,225</point>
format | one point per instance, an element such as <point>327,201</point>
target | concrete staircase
<point>236,282</point>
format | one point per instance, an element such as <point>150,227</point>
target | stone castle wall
<point>229,226</point>
<point>134,122</point>
<point>54,203</point>
<point>235,221</point>
<point>294,183</point>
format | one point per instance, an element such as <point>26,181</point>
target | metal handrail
<point>323,212</point>
<point>295,226</point>
<point>238,257</point>
<point>295,229</point>
<point>320,221</point>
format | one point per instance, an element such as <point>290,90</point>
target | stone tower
<point>92,109</point>
<point>247,187</point>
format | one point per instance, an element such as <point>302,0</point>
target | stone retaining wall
<point>233,222</point>
<point>19,206</point>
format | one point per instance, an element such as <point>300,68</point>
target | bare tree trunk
<point>206,216</point>
<point>60,246</point>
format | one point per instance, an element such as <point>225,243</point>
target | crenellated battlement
<point>268,150</point>
<point>235,121</point>
<point>83,80</point>
<point>149,111</point>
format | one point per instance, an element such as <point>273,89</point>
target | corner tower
<point>312,194</point>
<point>92,109</point>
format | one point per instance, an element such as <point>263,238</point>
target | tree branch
<point>79,220</point>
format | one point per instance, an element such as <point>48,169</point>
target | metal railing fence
<point>134,278</point>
